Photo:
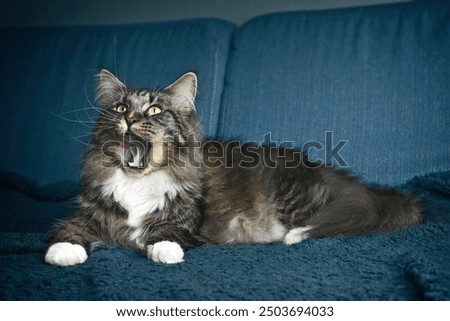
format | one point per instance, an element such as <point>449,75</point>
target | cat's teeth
<point>135,164</point>
<point>135,157</point>
<point>132,164</point>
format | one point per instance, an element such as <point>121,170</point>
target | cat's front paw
<point>65,254</point>
<point>165,252</point>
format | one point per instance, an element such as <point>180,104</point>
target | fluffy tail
<point>361,210</point>
<point>396,210</point>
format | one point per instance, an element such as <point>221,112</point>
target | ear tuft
<point>109,88</point>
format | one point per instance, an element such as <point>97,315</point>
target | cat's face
<point>138,127</point>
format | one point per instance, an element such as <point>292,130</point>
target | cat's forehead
<point>140,99</point>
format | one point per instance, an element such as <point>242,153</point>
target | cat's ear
<point>109,88</point>
<point>183,92</point>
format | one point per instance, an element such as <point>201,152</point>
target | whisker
<point>89,101</point>
<point>89,116</point>
<point>86,96</point>
<point>102,111</point>
<point>86,111</point>
<point>78,117</point>
<point>116,71</point>
<point>197,125</point>
<point>84,143</point>
<point>107,115</point>
<point>103,128</point>
<point>75,110</point>
<point>81,136</point>
<point>107,120</point>
<point>88,124</point>
<point>98,109</point>
<point>126,69</point>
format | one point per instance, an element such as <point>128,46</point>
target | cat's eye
<point>121,109</point>
<point>153,111</point>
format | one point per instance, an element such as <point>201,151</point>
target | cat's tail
<point>360,210</point>
<point>396,210</point>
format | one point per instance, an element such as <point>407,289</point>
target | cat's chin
<point>138,172</point>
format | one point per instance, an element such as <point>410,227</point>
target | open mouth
<point>134,152</point>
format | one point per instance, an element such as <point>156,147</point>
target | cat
<point>150,183</point>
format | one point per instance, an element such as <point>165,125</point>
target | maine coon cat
<point>150,183</point>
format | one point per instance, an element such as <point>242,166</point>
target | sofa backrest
<point>364,88</point>
<point>47,84</point>
<point>377,79</point>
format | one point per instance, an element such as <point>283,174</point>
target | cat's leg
<point>67,244</point>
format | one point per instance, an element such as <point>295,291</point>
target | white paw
<point>165,252</point>
<point>297,235</point>
<point>65,254</point>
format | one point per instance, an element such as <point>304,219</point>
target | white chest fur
<point>140,196</point>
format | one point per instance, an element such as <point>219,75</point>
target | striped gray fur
<point>148,177</point>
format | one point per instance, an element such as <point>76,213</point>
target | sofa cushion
<point>47,86</point>
<point>377,78</point>
<point>397,266</point>
<point>26,214</point>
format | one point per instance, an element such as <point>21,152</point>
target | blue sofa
<point>367,89</point>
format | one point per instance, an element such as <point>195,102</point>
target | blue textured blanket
<point>405,265</point>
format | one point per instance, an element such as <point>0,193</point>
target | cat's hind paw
<point>65,254</point>
<point>297,235</point>
<point>165,252</point>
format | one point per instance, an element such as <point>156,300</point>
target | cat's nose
<point>132,117</point>
<point>131,121</point>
